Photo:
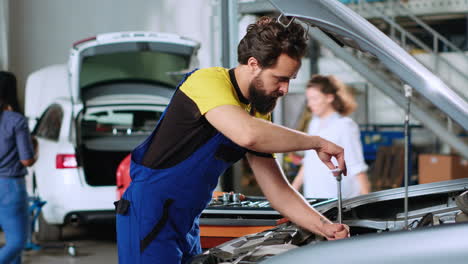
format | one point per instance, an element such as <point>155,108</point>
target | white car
<point>88,115</point>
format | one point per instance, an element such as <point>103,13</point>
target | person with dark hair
<point>216,117</point>
<point>330,102</point>
<point>16,153</point>
<point>8,92</point>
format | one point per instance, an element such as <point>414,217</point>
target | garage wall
<point>4,34</point>
<point>42,32</point>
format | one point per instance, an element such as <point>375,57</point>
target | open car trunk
<point>100,171</point>
<point>132,57</point>
<point>108,132</point>
<point>124,81</point>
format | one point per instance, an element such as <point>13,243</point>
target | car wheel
<point>46,231</point>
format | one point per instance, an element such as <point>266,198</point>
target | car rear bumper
<point>90,217</point>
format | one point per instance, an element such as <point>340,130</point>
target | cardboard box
<point>436,168</point>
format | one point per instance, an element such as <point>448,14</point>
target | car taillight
<point>65,161</point>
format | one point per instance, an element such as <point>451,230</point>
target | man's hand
<point>327,150</point>
<point>335,231</point>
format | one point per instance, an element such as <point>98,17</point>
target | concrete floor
<point>94,244</point>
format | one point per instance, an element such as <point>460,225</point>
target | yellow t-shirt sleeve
<point>210,88</point>
<point>266,117</point>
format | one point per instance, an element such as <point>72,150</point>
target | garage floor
<point>94,244</point>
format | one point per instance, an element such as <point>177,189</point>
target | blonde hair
<point>343,102</point>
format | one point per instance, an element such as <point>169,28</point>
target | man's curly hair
<point>266,40</point>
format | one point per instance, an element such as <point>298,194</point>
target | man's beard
<point>262,102</point>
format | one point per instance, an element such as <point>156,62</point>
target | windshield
<point>119,122</point>
<point>148,66</point>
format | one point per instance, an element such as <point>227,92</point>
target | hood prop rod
<point>408,94</point>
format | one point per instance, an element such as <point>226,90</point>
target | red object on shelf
<point>123,176</point>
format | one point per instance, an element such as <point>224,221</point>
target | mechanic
<point>216,117</point>
<point>16,152</point>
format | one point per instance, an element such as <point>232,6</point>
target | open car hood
<point>349,29</point>
<point>378,203</point>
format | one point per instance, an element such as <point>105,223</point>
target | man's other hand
<point>327,150</point>
<point>336,231</point>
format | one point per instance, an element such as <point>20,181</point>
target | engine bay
<point>379,217</point>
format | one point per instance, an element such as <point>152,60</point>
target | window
<point>157,67</point>
<point>50,123</point>
<point>119,122</point>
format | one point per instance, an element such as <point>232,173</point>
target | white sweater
<point>318,180</point>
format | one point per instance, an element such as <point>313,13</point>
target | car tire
<point>46,231</point>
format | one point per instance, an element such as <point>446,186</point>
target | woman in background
<point>330,103</point>
<point>16,153</point>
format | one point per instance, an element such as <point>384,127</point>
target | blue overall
<point>159,221</point>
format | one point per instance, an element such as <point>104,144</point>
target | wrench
<point>338,177</point>
<point>340,213</point>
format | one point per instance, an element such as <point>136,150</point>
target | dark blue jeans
<point>13,218</point>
